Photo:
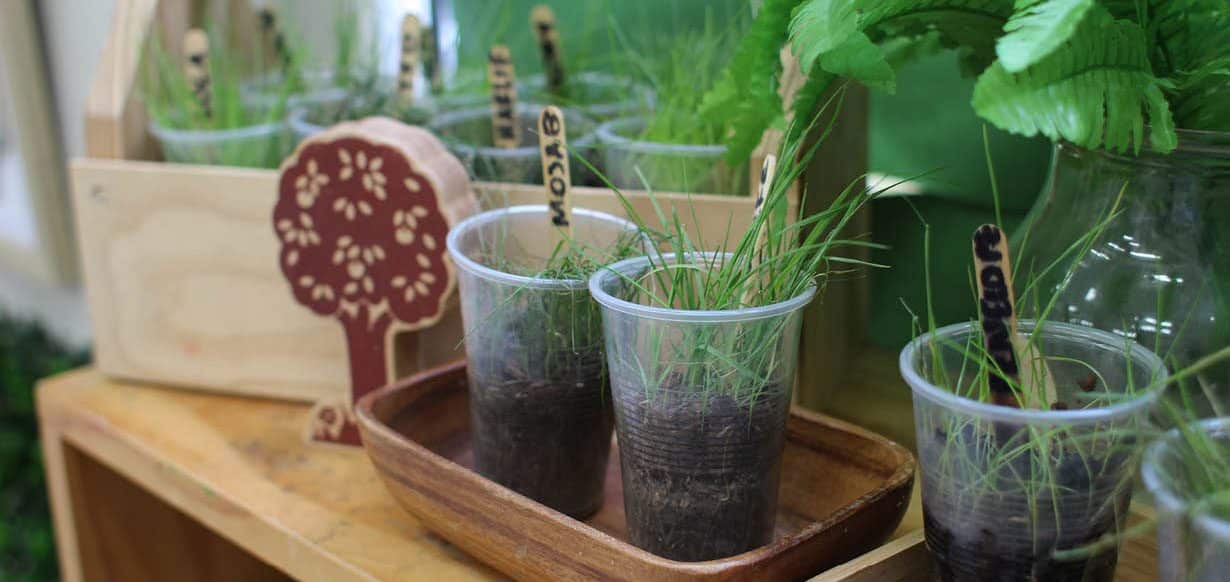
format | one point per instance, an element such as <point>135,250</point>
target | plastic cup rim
<point>1163,492</point>
<point>995,413</point>
<point>626,266</point>
<point>481,219</point>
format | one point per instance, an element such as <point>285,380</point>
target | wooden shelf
<point>131,468</point>
<point>151,483</point>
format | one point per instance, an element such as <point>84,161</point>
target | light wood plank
<point>240,468</point>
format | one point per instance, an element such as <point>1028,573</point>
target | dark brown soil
<point>701,478</point>
<point>547,441</point>
<point>994,542</point>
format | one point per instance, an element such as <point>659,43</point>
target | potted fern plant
<point>702,349</point>
<point>1131,92</point>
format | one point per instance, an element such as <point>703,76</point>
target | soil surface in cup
<point>993,540</point>
<point>701,476</point>
<point>547,440</point>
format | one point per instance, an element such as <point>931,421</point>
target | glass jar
<point>1160,274</point>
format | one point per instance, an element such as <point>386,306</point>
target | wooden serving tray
<point>843,491</point>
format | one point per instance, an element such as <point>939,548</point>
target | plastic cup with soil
<point>1015,494</point>
<point>467,133</point>
<point>666,167</point>
<point>540,406</point>
<point>701,401</point>
<point>1193,531</point>
<point>599,96</point>
<point>262,145</point>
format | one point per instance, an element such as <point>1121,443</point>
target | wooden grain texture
<point>843,491</point>
<point>906,560</point>
<point>237,467</point>
<point>183,284</point>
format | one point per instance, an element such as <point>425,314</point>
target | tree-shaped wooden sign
<point>362,214</point>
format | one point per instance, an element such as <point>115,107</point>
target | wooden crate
<point>180,261</point>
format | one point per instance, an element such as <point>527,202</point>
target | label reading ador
<point>505,127</point>
<point>556,177</point>
<point>996,305</point>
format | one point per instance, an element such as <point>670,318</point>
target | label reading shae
<point>505,127</point>
<point>553,148</point>
<point>196,68</point>
<point>411,44</point>
<point>542,19</point>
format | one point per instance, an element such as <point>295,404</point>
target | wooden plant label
<point>411,43</point>
<point>997,306</point>
<point>196,68</point>
<point>273,37</point>
<point>553,149</point>
<point>505,126</point>
<point>362,214</point>
<point>542,20</point>
<point>763,188</point>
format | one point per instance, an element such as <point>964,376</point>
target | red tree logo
<point>362,237</point>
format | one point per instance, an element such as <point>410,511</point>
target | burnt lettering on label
<point>557,213</point>
<point>550,125</point>
<point>986,239</point>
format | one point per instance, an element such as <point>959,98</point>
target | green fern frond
<point>1096,91</point>
<point>1036,29</point>
<point>835,34</point>
<point>745,98</point>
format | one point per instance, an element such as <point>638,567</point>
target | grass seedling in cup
<point>702,348</point>
<point>197,114</point>
<point>672,149</point>
<point>1028,432</point>
<point>539,397</point>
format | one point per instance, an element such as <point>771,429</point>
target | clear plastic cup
<point>1192,543</point>
<point>1004,489</point>
<point>467,133</point>
<point>598,96</point>
<point>540,407</point>
<point>666,167</point>
<point>305,122</point>
<point>264,91</point>
<point>256,146</point>
<point>701,402</point>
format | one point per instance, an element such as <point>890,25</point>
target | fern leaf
<point>745,97</point>
<point>1095,90</point>
<point>1036,29</point>
<point>836,34</point>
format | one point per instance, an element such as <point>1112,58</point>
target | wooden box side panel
<point>183,284</point>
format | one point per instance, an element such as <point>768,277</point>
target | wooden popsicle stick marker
<point>997,307</point>
<point>272,33</point>
<point>505,126</point>
<point>556,177</point>
<point>542,20</point>
<point>411,44</point>
<point>196,68</point>
<point>767,171</point>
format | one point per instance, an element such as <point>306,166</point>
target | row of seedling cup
<point>554,363</point>
<point>699,401</point>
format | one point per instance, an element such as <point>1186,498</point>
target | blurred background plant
<point>27,545</point>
